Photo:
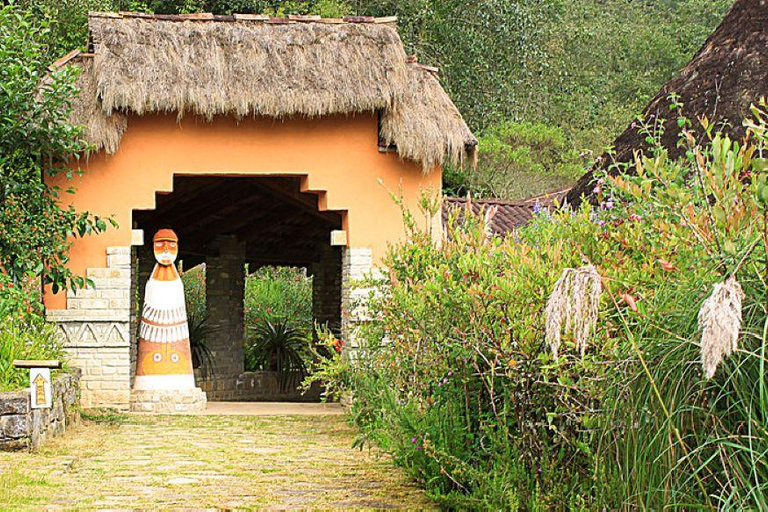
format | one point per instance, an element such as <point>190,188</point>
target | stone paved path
<point>234,461</point>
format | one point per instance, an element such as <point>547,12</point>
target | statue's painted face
<point>166,247</point>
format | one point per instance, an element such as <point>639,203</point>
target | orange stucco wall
<point>338,155</point>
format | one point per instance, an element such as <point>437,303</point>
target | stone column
<point>326,288</point>
<point>357,264</point>
<point>225,287</point>
<point>95,331</point>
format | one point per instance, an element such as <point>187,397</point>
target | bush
<point>274,296</point>
<point>278,347</point>
<point>457,381</point>
<point>519,160</point>
<point>36,140</point>
<point>279,293</point>
<point>24,334</point>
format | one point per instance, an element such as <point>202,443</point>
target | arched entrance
<point>234,223</point>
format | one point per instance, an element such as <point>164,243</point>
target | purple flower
<point>413,440</point>
<point>537,207</point>
<point>450,374</point>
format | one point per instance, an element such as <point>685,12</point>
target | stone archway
<point>226,223</point>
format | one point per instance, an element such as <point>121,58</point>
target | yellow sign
<point>39,384</point>
<point>40,387</point>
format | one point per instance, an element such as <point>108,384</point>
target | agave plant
<point>200,333</point>
<point>279,347</point>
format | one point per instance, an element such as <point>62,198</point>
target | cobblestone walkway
<point>162,462</point>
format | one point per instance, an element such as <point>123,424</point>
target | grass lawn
<point>132,461</point>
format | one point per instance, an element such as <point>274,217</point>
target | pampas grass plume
<point>720,322</point>
<point>572,307</point>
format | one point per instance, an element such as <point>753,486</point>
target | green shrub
<point>278,347</point>
<point>456,380</point>
<point>24,334</point>
<point>194,291</point>
<point>274,296</point>
<point>35,230</point>
<point>24,340</point>
<point>279,293</point>
<point>519,160</point>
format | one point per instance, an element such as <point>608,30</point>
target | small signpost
<point>39,380</point>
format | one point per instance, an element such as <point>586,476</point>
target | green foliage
<point>194,291</point>
<point>67,21</point>
<point>275,298</point>
<point>455,379</point>
<point>279,293</point>
<point>23,333</point>
<point>280,348</point>
<point>34,137</point>
<point>606,60</point>
<point>200,334</point>
<point>519,160</point>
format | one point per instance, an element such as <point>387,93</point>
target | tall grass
<point>457,380</point>
<point>22,339</point>
<point>720,458</point>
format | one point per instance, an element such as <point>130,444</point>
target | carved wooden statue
<point>164,359</point>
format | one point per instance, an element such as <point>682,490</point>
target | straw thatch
<point>419,118</point>
<point>572,307</point>
<point>253,66</point>
<point>727,75</point>
<point>102,130</point>
<point>720,322</point>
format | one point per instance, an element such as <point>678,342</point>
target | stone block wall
<point>264,386</point>
<point>225,287</point>
<point>357,264</point>
<point>24,428</point>
<point>96,331</point>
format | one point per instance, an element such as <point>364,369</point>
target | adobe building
<point>258,140</point>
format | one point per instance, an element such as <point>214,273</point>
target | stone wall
<point>224,288</point>
<point>24,428</point>
<point>264,386</point>
<point>357,264</point>
<point>96,331</point>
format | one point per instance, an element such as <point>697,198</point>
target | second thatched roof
<point>244,65</point>
<point>727,75</point>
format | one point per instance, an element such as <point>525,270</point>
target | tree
<point>36,139</point>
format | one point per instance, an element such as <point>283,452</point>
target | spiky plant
<point>200,333</point>
<point>279,347</point>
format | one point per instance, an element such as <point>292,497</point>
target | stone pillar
<point>357,264</point>
<point>326,288</point>
<point>95,331</point>
<point>225,287</point>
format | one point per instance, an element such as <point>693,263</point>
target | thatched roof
<point>245,65</point>
<point>727,75</point>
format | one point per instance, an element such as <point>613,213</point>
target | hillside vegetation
<point>577,70</point>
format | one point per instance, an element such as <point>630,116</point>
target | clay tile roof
<point>510,214</point>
